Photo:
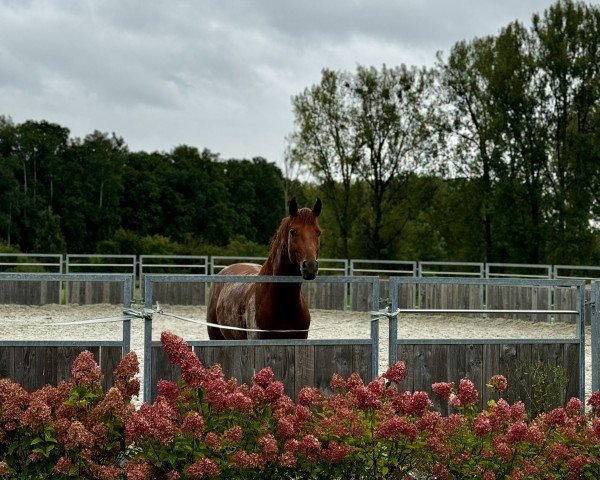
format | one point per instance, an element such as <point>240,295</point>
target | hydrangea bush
<point>207,426</point>
<point>73,430</point>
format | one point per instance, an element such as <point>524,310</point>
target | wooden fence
<point>440,360</point>
<point>449,361</point>
<point>26,292</point>
<point>300,363</point>
<point>35,363</point>
<point>296,363</point>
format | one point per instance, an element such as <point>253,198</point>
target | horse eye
<point>318,233</point>
<point>293,232</point>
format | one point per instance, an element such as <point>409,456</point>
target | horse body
<point>270,306</point>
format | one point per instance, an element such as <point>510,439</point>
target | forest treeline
<point>491,155</point>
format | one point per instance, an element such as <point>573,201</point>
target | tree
<point>255,190</point>
<point>9,185</point>
<point>48,234</point>
<point>567,39</point>
<point>368,126</point>
<point>327,143</point>
<point>90,182</point>
<point>470,123</point>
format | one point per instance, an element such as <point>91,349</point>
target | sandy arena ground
<point>36,323</point>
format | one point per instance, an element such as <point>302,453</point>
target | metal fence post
<point>148,286</point>
<point>375,331</point>
<point>595,336</point>
<point>393,323</point>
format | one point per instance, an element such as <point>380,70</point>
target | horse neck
<point>278,264</point>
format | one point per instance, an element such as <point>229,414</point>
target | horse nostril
<point>309,269</point>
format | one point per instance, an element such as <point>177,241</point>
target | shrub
<point>73,430</point>
<point>207,426</point>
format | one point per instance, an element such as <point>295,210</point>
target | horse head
<point>303,238</point>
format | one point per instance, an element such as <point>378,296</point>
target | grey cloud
<point>212,73</point>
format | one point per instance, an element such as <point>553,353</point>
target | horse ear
<point>293,207</point>
<point>317,208</point>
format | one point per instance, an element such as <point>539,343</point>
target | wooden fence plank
<point>451,296</point>
<point>162,369</point>
<point>430,363</point>
<point>405,352</point>
<point>305,367</point>
<point>179,293</point>
<point>326,296</point>
<point>330,359</point>
<point>440,363</point>
<point>29,292</point>
<point>509,297</point>
<point>109,360</point>
<point>361,296</point>
<point>94,292</point>
<point>281,358</point>
<point>361,361</point>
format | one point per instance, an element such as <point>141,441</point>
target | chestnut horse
<point>271,306</point>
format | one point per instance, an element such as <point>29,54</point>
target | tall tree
<point>91,189</point>
<point>470,123</point>
<point>567,39</point>
<point>327,143</point>
<point>255,190</point>
<point>369,126</point>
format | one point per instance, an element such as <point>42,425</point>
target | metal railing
<point>151,280</point>
<point>31,262</point>
<point>395,282</point>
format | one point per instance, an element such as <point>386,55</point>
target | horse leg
<point>215,333</point>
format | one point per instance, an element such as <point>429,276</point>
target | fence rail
<point>332,266</point>
<point>302,360</point>
<point>434,360</point>
<point>35,363</point>
<point>436,295</point>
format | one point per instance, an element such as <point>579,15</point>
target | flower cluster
<point>207,426</point>
<point>73,430</point>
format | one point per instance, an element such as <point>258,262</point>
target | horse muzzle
<point>309,269</point>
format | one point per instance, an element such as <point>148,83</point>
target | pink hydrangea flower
<point>498,383</point>
<point>85,370</point>
<point>310,396</point>
<point>517,432</point>
<point>175,347</point>
<point>264,377</point>
<point>594,400</point>
<point>443,389</point>
<point>396,372</point>
<point>203,468</point>
<point>337,382</point>
<point>234,434</point>
<point>467,393</point>
<point>193,424</point>
<point>167,389</point>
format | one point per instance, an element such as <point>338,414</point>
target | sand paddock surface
<point>19,322</point>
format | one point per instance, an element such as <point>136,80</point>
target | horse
<point>294,250</point>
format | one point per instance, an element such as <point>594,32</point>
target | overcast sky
<point>216,74</point>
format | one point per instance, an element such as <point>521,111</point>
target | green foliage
<point>546,383</point>
<point>368,125</point>
<point>48,235</point>
<point>493,155</point>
